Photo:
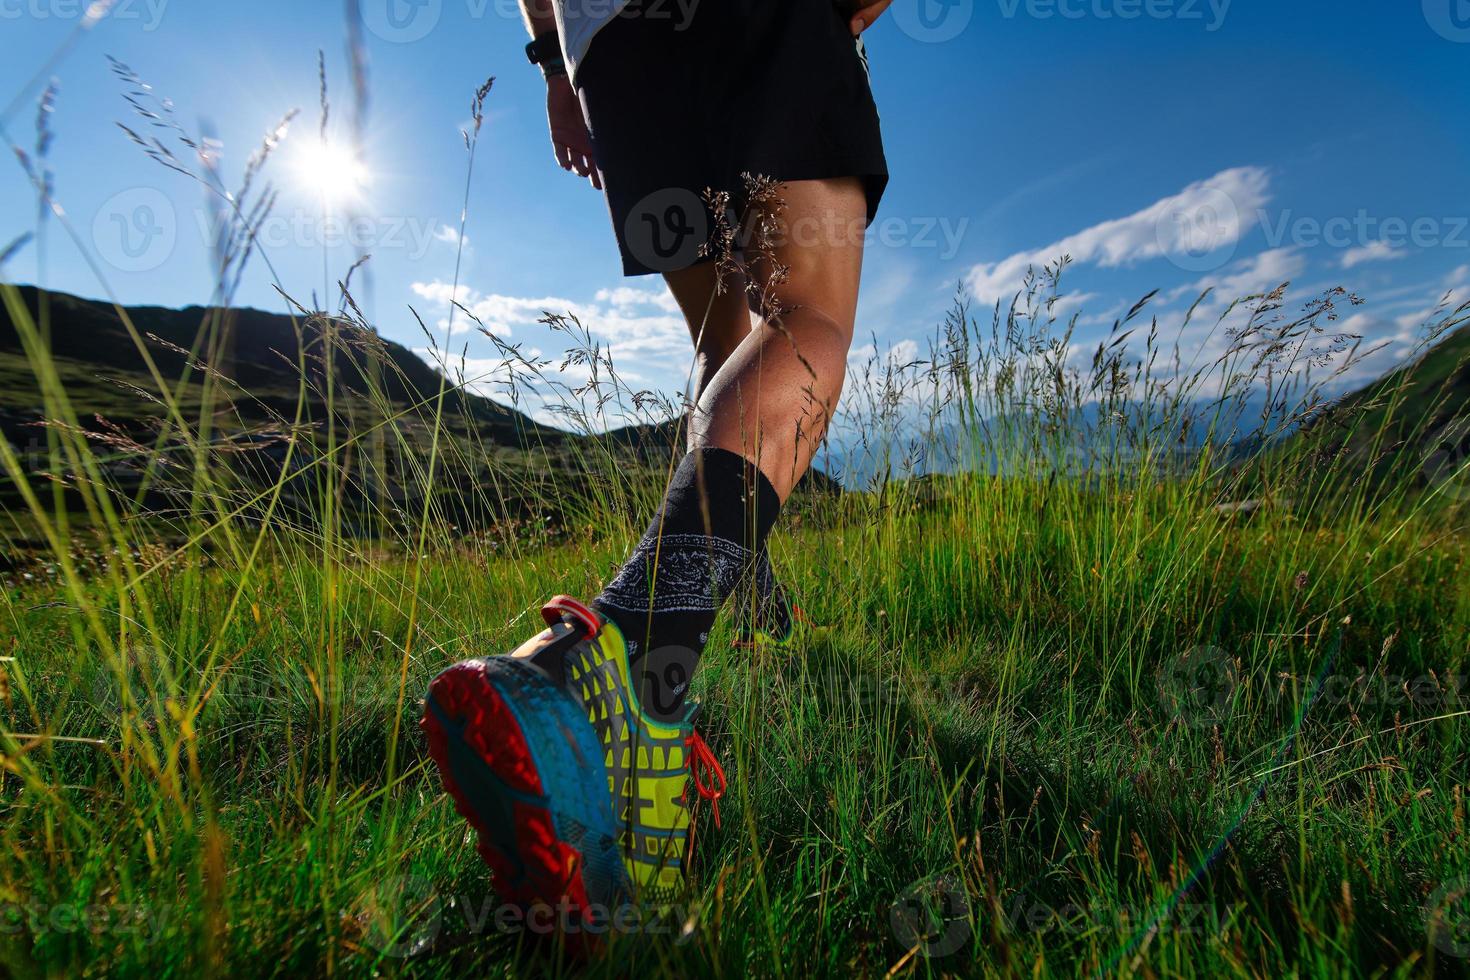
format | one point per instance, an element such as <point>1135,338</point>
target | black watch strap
<point>546,47</point>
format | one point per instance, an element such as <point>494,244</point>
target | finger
<point>868,15</point>
<point>563,156</point>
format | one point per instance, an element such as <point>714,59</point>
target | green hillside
<point>253,390</point>
<point>1410,427</point>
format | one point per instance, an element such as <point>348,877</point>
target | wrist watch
<point>545,53</point>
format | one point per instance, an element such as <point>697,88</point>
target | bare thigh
<point>774,396</point>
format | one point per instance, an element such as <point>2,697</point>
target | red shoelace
<point>706,771</point>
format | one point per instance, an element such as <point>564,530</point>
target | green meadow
<point>1149,660</point>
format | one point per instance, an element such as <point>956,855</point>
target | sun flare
<point>332,172</point>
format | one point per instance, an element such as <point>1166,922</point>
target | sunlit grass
<point>1055,692</point>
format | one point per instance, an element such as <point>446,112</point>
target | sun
<point>331,172</point>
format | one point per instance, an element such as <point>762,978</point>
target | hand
<point>570,140</point>
<point>864,14</point>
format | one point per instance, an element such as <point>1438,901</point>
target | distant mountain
<point>270,390</point>
<point>258,352</point>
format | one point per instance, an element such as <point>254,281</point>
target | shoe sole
<point>525,768</point>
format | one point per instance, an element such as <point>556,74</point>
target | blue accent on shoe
<point>568,758</point>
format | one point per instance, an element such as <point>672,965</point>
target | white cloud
<point>454,327</point>
<point>1069,303</point>
<point>1256,275</point>
<point>441,292</point>
<point>1260,273</point>
<point>1104,318</point>
<point>640,331</point>
<point>1372,252</point>
<point>1228,203</point>
<point>451,236</point>
<point>1455,292</point>
<point>637,321</point>
<point>627,298</point>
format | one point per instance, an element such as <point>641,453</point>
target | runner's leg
<point>772,399</point>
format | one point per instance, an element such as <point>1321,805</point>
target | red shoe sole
<point>517,834</point>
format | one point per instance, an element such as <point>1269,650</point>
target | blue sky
<point>1322,142</point>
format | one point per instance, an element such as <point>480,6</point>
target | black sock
<point>715,517</point>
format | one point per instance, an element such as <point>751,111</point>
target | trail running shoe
<point>576,794</point>
<point>764,612</point>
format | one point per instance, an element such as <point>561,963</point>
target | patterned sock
<point>715,517</point>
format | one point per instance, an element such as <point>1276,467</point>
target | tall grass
<point>1146,659</point>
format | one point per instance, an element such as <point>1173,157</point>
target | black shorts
<point>679,104</point>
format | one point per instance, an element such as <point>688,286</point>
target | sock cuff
<point>722,494</point>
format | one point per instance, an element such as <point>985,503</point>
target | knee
<point>818,317</point>
<point>820,291</point>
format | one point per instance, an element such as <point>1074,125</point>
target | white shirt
<point>577,21</point>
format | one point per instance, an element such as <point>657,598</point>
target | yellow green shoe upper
<point>647,761</point>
